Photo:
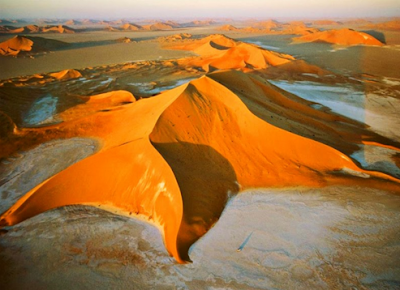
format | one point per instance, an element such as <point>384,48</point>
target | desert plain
<point>218,154</point>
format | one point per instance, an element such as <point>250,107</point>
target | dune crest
<point>66,74</point>
<point>37,29</point>
<point>15,45</point>
<point>127,175</point>
<point>220,52</point>
<point>343,36</point>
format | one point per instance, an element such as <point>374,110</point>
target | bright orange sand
<point>15,45</point>
<point>177,157</point>
<point>343,36</point>
<point>220,52</point>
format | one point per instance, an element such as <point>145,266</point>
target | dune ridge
<point>15,45</point>
<point>343,36</point>
<point>273,27</point>
<point>181,155</point>
<point>37,29</point>
<point>220,52</point>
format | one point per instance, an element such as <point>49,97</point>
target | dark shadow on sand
<point>206,180</point>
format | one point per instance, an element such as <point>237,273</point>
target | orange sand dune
<point>143,184</point>
<point>176,158</point>
<point>271,27</point>
<point>15,45</point>
<point>66,74</point>
<point>34,45</point>
<point>343,36</point>
<point>228,27</point>
<point>59,29</point>
<point>131,26</point>
<point>37,29</point>
<point>216,146</point>
<point>220,52</point>
<point>158,26</point>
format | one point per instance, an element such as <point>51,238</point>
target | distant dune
<point>131,26</point>
<point>158,26</point>
<point>18,44</point>
<point>37,29</point>
<point>220,52</point>
<point>272,27</point>
<point>15,45</point>
<point>341,37</point>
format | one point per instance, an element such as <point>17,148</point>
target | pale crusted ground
<point>336,238</point>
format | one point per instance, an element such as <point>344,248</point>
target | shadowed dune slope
<point>343,36</point>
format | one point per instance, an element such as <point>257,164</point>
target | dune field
<point>202,154</point>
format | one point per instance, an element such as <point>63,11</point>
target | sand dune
<point>131,26</point>
<point>33,45</point>
<point>147,184</point>
<point>273,27</point>
<point>220,52</point>
<point>37,29</point>
<point>158,26</point>
<point>343,36</point>
<point>15,45</point>
<point>66,74</point>
<point>181,155</point>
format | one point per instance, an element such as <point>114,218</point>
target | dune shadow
<point>377,34</point>
<point>207,180</point>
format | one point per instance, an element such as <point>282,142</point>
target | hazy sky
<point>169,9</point>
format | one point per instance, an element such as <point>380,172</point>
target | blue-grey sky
<point>169,9</point>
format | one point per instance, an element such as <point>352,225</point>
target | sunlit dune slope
<point>127,173</point>
<point>18,44</point>
<point>15,45</point>
<point>220,52</point>
<point>131,26</point>
<point>37,29</point>
<point>343,36</point>
<point>177,157</point>
<point>66,74</point>
<point>216,146</point>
